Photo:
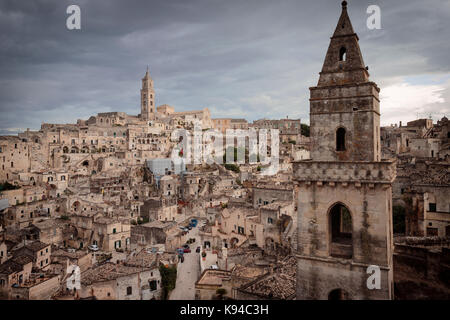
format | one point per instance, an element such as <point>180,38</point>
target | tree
<point>8,186</point>
<point>220,293</point>
<point>232,167</point>
<point>305,130</point>
<point>168,279</point>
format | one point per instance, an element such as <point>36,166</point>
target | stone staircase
<point>291,233</point>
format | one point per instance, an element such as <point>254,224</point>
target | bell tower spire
<point>343,62</point>
<point>147,98</point>
<point>345,97</point>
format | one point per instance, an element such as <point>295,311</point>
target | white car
<point>93,247</point>
<point>214,267</point>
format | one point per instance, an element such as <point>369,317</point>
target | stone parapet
<point>340,171</point>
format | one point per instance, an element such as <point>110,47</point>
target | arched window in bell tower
<point>340,139</point>
<point>340,231</point>
<point>343,54</point>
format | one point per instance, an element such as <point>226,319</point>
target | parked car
<point>215,267</point>
<point>189,227</point>
<point>186,246</point>
<point>197,250</point>
<point>93,247</point>
<point>187,250</point>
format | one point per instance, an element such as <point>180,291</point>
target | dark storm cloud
<point>253,58</point>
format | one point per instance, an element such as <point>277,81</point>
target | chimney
<point>400,124</point>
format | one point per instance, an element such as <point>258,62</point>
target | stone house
<point>210,281</point>
<point>3,252</point>
<point>162,209</point>
<point>38,251</point>
<point>151,233</point>
<point>80,258</point>
<point>14,271</point>
<point>265,193</point>
<point>110,234</point>
<point>37,287</point>
<point>146,259</point>
<point>111,281</point>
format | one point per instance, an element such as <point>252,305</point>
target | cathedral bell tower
<point>345,190</point>
<point>345,105</point>
<point>147,98</point>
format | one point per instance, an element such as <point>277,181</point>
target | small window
<point>129,291</point>
<point>340,139</point>
<point>343,54</point>
<point>432,207</point>
<point>153,285</point>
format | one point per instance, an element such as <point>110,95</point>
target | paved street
<point>188,271</point>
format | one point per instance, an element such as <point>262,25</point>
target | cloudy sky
<point>240,58</point>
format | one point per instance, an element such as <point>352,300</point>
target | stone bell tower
<point>147,98</point>
<point>345,190</point>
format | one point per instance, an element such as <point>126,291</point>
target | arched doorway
<point>340,231</point>
<point>234,242</point>
<point>269,244</point>
<point>76,206</point>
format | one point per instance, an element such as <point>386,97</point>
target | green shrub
<point>232,167</point>
<point>221,291</point>
<point>168,279</point>
<point>8,186</point>
<point>305,130</point>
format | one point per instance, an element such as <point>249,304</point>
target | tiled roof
<point>36,246</point>
<point>107,272</point>
<point>281,284</point>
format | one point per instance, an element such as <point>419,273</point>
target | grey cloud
<point>254,58</point>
